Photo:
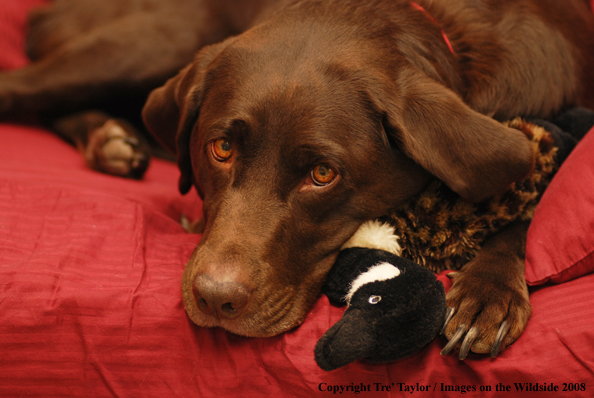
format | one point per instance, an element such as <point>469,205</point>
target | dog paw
<point>484,315</point>
<point>116,149</point>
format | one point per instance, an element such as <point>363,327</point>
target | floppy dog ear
<point>165,114</point>
<point>161,113</point>
<point>172,109</point>
<point>474,155</point>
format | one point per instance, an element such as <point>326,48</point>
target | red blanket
<point>90,301</point>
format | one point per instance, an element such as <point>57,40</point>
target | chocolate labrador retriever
<point>297,121</point>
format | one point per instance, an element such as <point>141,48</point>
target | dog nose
<point>225,299</point>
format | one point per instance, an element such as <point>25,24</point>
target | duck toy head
<point>395,308</point>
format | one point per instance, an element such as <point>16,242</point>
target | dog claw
<point>499,339</point>
<point>132,141</point>
<point>449,314</point>
<point>192,227</point>
<point>455,339</point>
<point>453,274</point>
<point>467,343</point>
<point>185,223</point>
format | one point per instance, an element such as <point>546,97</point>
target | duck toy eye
<point>374,299</point>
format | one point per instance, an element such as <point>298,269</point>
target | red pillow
<point>560,245</point>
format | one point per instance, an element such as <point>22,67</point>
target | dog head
<point>293,147</point>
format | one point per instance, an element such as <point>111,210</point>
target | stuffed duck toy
<point>395,308</point>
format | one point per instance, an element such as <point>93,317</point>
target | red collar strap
<point>445,38</point>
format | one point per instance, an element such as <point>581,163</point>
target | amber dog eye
<point>222,149</point>
<point>322,175</point>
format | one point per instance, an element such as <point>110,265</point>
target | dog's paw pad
<point>114,149</point>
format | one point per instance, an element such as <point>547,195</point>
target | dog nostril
<point>214,298</point>
<point>203,305</point>
<point>228,308</point>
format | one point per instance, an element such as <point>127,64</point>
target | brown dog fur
<point>368,89</point>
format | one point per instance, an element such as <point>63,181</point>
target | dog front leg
<point>488,302</point>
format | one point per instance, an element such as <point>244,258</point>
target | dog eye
<point>222,149</point>
<point>322,175</point>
